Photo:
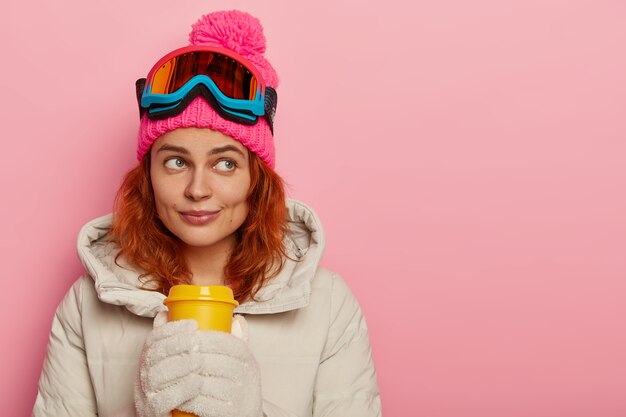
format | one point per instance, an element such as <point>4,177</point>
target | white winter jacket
<point>306,331</point>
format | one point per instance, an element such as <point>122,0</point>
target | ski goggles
<point>227,81</point>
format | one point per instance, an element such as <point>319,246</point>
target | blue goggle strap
<point>230,105</point>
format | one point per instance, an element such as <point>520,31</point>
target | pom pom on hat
<point>242,33</point>
<point>235,30</point>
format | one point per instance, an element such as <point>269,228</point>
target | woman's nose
<point>199,186</point>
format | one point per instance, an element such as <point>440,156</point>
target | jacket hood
<point>118,283</point>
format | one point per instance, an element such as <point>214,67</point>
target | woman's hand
<point>168,369</point>
<point>208,373</point>
<point>231,383</point>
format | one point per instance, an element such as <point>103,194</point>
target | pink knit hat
<point>243,34</point>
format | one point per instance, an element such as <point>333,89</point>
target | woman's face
<point>200,179</point>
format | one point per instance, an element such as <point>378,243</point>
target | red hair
<point>147,244</point>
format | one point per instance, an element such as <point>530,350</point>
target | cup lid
<point>220,293</point>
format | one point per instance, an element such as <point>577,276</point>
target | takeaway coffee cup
<point>211,306</point>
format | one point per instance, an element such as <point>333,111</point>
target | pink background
<point>467,163</point>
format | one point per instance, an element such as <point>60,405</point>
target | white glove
<point>210,374</point>
<point>240,327</point>
<point>231,381</point>
<point>168,369</point>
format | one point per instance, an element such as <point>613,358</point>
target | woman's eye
<point>225,165</point>
<point>175,163</point>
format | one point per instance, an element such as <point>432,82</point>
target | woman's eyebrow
<point>226,148</point>
<point>179,149</point>
<point>184,151</point>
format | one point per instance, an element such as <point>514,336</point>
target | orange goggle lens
<point>232,78</point>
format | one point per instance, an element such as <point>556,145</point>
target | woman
<point>204,206</point>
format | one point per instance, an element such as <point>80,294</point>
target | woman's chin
<point>198,239</point>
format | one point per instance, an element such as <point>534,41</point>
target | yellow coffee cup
<point>211,306</point>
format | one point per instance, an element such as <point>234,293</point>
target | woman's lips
<point>199,218</point>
